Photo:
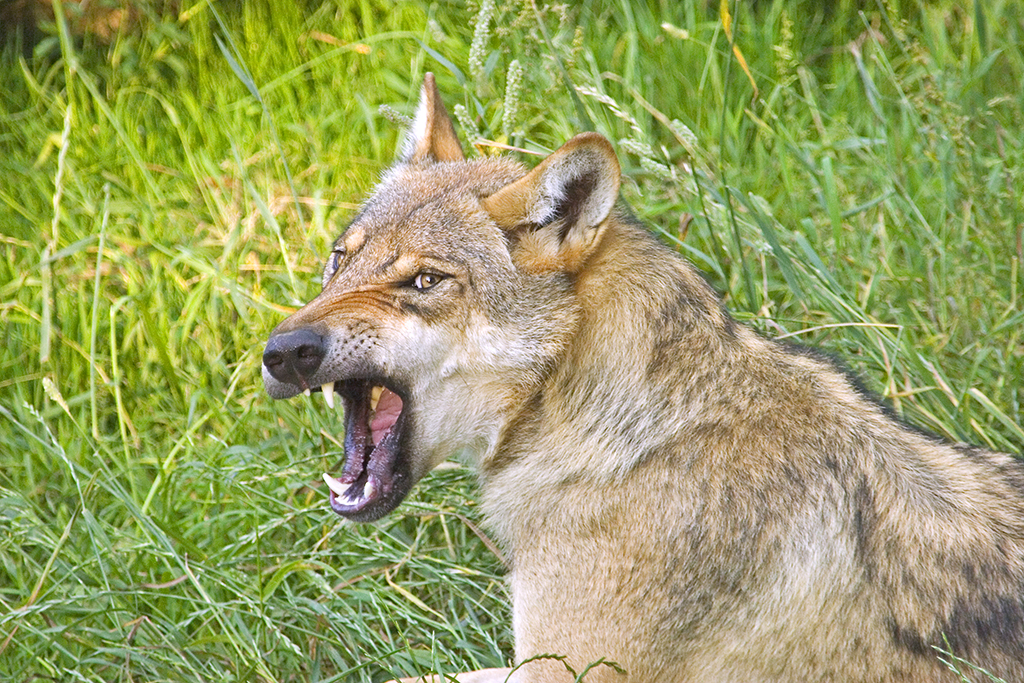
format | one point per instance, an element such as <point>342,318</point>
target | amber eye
<point>425,281</point>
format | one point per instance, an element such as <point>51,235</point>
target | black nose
<point>293,356</point>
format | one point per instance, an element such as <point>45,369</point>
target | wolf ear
<point>557,211</point>
<point>432,136</point>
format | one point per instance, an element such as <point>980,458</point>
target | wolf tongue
<point>388,409</point>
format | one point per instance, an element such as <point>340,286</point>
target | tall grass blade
<point>233,58</point>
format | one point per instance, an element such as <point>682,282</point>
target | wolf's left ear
<point>557,211</point>
<point>432,136</point>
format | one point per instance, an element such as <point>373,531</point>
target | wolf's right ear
<point>557,212</point>
<point>432,136</point>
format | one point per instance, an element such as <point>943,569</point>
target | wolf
<point>675,493</point>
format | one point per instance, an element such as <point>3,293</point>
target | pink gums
<point>388,409</point>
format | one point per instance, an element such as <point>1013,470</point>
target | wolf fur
<point>674,493</point>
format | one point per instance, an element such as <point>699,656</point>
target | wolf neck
<point>650,338</point>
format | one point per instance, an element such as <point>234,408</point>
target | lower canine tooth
<point>375,397</point>
<point>334,485</point>
<point>369,489</point>
<point>328,390</point>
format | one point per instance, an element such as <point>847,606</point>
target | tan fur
<point>674,493</point>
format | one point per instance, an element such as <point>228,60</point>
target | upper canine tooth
<point>375,397</point>
<point>307,392</point>
<point>328,390</point>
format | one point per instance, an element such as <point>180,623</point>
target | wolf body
<point>674,493</point>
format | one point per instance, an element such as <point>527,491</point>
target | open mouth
<point>374,479</point>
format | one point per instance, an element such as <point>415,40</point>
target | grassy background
<point>166,196</point>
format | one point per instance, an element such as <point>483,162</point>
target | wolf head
<point>444,303</point>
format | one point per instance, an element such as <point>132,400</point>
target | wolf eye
<point>331,267</point>
<point>425,281</point>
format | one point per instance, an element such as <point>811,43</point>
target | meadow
<point>848,178</point>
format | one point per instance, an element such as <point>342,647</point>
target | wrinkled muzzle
<point>375,477</point>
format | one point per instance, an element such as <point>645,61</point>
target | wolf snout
<point>292,357</point>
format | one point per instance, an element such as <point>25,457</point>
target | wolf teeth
<point>342,494</point>
<point>328,389</point>
<point>335,485</point>
<point>375,397</point>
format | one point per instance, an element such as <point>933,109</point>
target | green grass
<point>161,517</point>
